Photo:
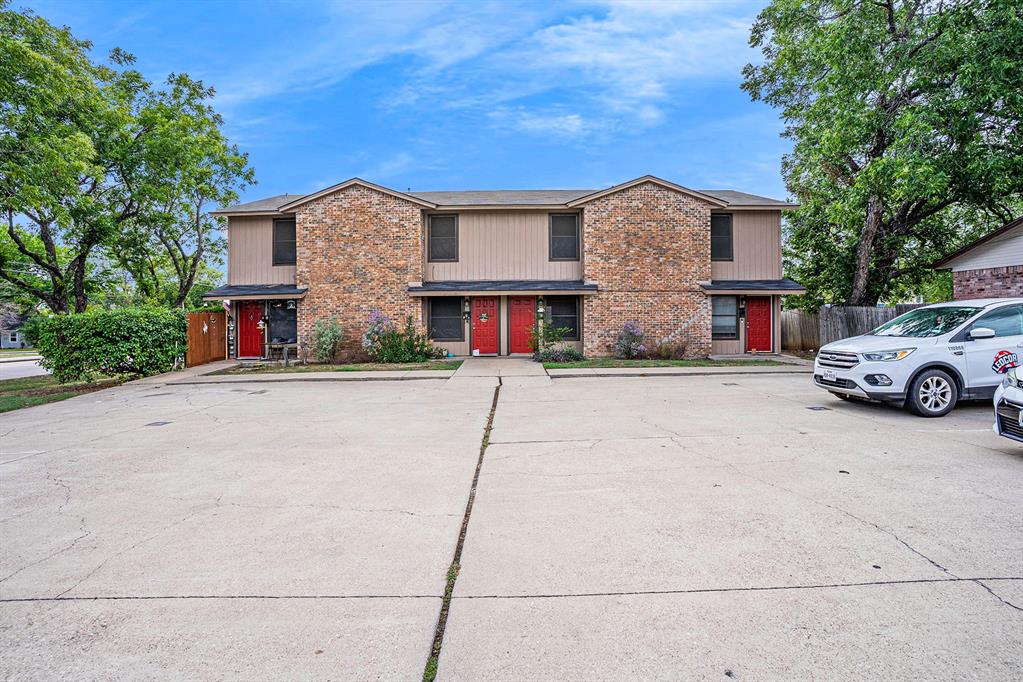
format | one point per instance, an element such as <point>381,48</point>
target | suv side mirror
<point>982,333</point>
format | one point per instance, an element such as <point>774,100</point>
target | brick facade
<point>988,283</point>
<point>647,247</point>
<point>357,250</point>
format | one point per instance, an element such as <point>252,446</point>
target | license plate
<point>829,375</point>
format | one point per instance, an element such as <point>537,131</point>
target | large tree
<point>906,121</point>
<point>91,152</point>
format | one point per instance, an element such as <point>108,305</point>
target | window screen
<point>565,237</point>
<point>443,238</point>
<point>1007,321</point>
<point>284,242</point>
<point>563,311</point>
<point>725,317</point>
<point>283,323</point>
<point>446,323</point>
<point>721,237</point>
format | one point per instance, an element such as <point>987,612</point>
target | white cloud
<point>602,65</point>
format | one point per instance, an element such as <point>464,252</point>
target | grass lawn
<point>355,367</point>
<point>29,391</point>
<point>604,363</point>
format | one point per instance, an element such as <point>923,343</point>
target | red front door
<point>485,325</point>
<point>250,336</point>
<point>758,323</point>
<point>521,317</point>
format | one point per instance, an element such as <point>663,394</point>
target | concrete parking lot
<point>660,527</point>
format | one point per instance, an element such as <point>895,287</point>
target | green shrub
<point>558,354</point>
<point>548,344</point>
<point>327,335</point>
<point>671,349</point>
<point>125,341</point>
<point>386,343</point>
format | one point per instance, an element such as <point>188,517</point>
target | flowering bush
<point>630,344</point>
<point>385,342</point>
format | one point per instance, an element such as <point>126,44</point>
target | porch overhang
<point>255,292</point>
<point>753,287</point>
<point>503,287</point>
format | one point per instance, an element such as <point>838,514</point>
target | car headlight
<point>888,355</point>
<point>1010,379</point>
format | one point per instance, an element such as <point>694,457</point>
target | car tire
<point>932,393</point>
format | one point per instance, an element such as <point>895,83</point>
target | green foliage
<point>101,170</point>
<point>906,121</point>
<point>327,334</point>
<point>558,354</point>
<point>384,342</point>
<point>548,343</point>
<point>128,341</point>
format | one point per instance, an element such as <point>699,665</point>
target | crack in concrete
<point>720,590</point>
<point>876,526</point>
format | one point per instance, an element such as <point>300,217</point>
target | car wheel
<point>932,394</point>
<point>842,396</point>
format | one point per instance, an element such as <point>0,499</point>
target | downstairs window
<point>724,318</point>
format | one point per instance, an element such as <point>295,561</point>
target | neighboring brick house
<point>990,267</point>
<point>478,268</point>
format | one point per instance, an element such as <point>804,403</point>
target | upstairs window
<point>724,317</point>
<point>564,236</point>
<point>446,321</point>
<point>721,236</point>
<point>563,311</point>
<point>284,242</point>
<point>442,239</point>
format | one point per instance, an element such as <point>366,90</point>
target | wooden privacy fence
<point>806,331</point>
<point>207,338</point>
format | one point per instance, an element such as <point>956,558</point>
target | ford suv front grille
<point>837,359</point>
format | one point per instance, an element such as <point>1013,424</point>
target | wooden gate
<point>207,338</point>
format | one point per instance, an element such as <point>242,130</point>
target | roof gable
<point>955,255</point>
<point>355,182</point>
<point>713,201</point>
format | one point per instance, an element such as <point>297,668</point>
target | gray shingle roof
<point>735,198</point>
<point>506,285</point>
<point>255,290</point>
<point>10,317</point>
<point>505,197</point>
<point>784,284</point>
<point>269,204</point>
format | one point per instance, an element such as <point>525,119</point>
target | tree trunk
<point>864,252</point>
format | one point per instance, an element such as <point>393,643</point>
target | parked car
<point>929,358</point>
<point>1009,406</point>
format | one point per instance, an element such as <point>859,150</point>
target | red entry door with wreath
<point>250,336</point>
<point>758,323</point>
<point>521,318</point>
<point>485,327</point>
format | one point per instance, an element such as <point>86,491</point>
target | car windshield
<point>926,321</point>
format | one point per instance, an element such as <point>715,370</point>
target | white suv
<point>929,358</point>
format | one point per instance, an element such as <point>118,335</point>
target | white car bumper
<point>884,381</point>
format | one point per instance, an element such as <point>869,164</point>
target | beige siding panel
<point>756,247</point>
<point>495,245</point>
<point>250,253</point>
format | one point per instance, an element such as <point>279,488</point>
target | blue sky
<point>463,95</point>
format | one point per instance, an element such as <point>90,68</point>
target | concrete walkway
<point>500,367</point>
<point>675,371</point>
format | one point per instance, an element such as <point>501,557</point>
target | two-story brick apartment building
<point>476,268</point>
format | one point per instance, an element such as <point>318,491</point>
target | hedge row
<point>126,341</point>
